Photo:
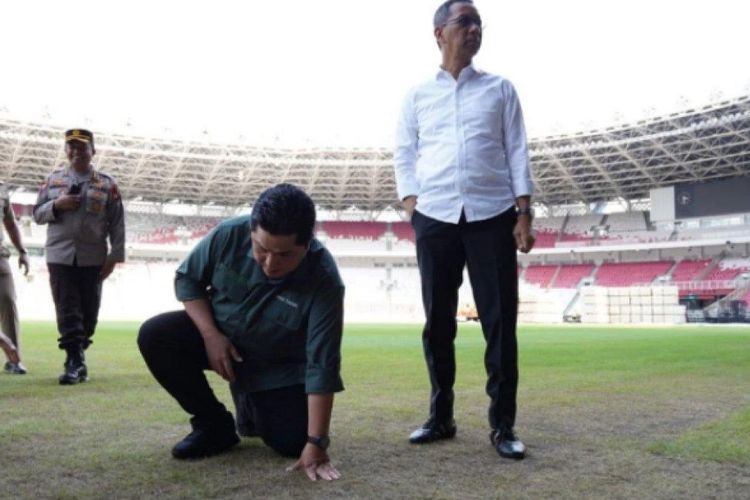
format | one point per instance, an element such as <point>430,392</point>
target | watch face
<point>320,442</point>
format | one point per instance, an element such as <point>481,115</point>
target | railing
<point>705,285</point>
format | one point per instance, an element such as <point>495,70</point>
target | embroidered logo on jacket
<point>287,301</point>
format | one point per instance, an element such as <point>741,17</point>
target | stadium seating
<point>403,231</point>
<point>581,224</point>
<point>630,273</point>
<point>570,275</point>
<point>546,238</point>
<point>582,237</point>
<point>727,270</point>
<point>540,275</point>
<point>626,222</point>
<point>688,270</point>
<point>551,224</point>
<point>354,230</point>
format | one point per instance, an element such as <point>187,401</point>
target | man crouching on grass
<point>263,309</point>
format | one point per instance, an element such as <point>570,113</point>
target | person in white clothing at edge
<point>462,172</point>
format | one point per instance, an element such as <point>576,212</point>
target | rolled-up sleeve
<point>515,142</point>
<point>405,151</point>
<point>326,322</point>
<point>194,274</point>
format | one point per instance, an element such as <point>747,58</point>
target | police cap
<point>79,134</point>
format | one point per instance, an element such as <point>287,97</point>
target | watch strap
<point>321,442</point>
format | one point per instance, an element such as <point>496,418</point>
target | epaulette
<point>106,176</point>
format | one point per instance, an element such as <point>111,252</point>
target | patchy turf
<point>726,440</point>
<point>605,412</point>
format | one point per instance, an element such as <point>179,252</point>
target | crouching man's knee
<point>288,446</point>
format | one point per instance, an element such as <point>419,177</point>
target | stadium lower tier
<point>138,290</point>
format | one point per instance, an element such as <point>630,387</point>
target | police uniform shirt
<point>288,331</point>
<point>81,235</point>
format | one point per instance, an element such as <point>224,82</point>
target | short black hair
<point>285,209</point>
<point>444,11</point>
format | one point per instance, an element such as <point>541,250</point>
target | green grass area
<point>612,412</point>
<point>726,440</point>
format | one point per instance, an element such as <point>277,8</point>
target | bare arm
<point>409,203</point>
<point>9,221</point>
<point>314,460</point>
<point>319,409</point>
<point>522,232</point>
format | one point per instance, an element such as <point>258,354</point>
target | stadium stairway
<point>709,268</point>
<point>563,227</point>
<point>554,276</point>
<point>672,269</point>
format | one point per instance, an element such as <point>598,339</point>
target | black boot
<point>75,367</point>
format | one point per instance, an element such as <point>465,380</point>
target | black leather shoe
<point>432,431</point>
<point>507,444</point>
<point>206,441</point>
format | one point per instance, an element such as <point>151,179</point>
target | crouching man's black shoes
<point>507,444</point>
<point>205,441</point>
<point>432,431</point>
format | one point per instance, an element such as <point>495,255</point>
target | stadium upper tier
<point>623,161</point>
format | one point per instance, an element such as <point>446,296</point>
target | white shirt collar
<point>466,73</point>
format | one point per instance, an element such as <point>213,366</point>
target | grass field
<point>605,413</point>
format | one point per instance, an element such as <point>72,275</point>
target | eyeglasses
<point>466,22</point>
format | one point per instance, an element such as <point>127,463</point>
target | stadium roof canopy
<point>620,162</point>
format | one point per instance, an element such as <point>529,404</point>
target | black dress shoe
<point>432,431</point>
<point>205,441</point>
<point>507,444</point>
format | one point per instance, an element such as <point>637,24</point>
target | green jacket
<point>288,332</point>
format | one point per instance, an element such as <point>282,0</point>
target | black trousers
<point>175,353</point>
<point>488,249</point>
<point>77,293</point>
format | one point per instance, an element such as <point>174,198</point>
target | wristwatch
<point>525,211</point>
<point>321,442</point>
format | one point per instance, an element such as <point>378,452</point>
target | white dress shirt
<point>461,145</point>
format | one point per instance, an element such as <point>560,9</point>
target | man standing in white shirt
<point>462,172</point>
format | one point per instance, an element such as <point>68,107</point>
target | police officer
<point>8,311</point>
<point>82,208</point>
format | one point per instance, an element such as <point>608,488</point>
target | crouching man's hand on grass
<point>316,464</point>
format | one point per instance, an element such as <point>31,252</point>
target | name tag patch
<point>287,301</point>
